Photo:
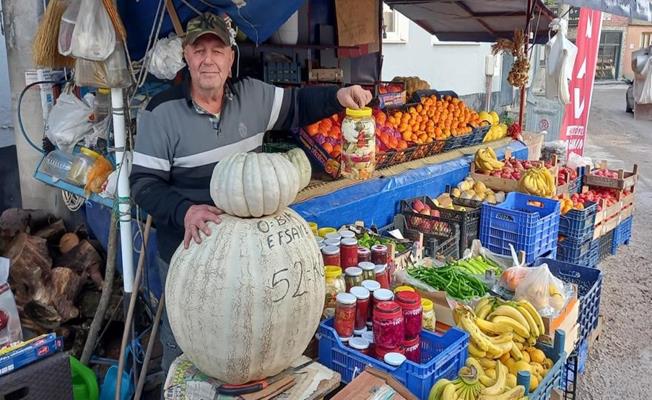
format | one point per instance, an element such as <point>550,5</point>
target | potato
<point>456,192</point>
<point>479,187</point>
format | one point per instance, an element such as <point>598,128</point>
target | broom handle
<point>178,28</point>
<point>150,346</point>
<point>132,305</point>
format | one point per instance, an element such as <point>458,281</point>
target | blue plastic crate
<point>605,245</point>
<point>574,367</point>
<point>555,374</point>
<point>578,224</point>
<point>622,234</point>
<point>589,282</point>
<point>478,134</point>
<point>584,253</point>
<point>529,223</point>
<point>441,356</point>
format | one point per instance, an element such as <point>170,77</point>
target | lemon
<point>534,383</point>
<point>537,356</point>
<point>511,380</point>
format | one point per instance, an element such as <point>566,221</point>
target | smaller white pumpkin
<point>299,159</point>
<point>254,184</point>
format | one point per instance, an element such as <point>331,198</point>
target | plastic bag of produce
<point>477,250</point>
<point>93,37</point>
<point>113,73</point>
<point>69,121</point>
<point>541,288</point>
<point>10,329</point>
<point>166,58</point>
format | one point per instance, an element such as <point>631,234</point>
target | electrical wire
<point>19,111</point>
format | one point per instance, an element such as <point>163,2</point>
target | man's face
<point>209,62</point>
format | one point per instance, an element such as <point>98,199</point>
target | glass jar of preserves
<point>352,277</point>
<point>331,255</point>
<point>410,303</point>
<point>380,352</point>
<point>346,234</point>
<point>371,286</point>
<point>361,308</point>
<point>368,270</point>
<point>349,252</point>
<point>412,349</point>
<point>388,329</point>
<point>334,286</point>
<point>379,254</point>
<point>344,315</point>
<point>428,320</point>
<point>333,236</point>
<point>325,231</point>
<point>332,242</point>
<point>364,254</point>
<point>403,288</point>
<point>358,144</point>
<point>382,276</point>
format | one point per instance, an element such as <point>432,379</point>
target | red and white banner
<point>576,116</point>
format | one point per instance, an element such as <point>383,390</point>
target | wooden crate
<point>608,218</point>
<point>626,179</point>
<point>509,185</point>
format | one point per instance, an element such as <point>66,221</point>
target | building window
<point>395,26</point>
<point>646,39</point>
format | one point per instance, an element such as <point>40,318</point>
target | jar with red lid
<point>388,329</point>
<point>364,254</point>
<point>410,303</point>
<point>412,349</point>
<point>380,352</point>
<point>382,276</point>
<point>368,270</point>
<point>371,286</point>
<point>361,308</point>
<point>344,315</point>
<point>379,254</point>
<point>349,252</point>
<point>331,255</point>
<point>352,277</point>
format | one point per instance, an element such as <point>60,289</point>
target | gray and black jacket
<point>178,144</point>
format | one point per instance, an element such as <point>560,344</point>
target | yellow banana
<point>519,329</point>
<point>475,351</point>
<point>519,339</point>
<point>502,338</point>
<point>503,348</point>
<point>534,329</point>
<point>491,328</point>
<point>477,336</point>
<point>486,363</point>
<point>473,362</point>
<point>516,353</point>
<point>482,302</point>
<point>484,311</point>
<point>438,388</point>
<point>499,386</point>
<point>486,381</point>
<point>491,152</point>
<point>535,315</point>
<point>449,392</point>
<point>511,312</point>
<point>512,394</point>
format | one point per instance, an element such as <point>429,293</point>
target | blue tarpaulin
<point>376,201</point>
<point>258,19</point>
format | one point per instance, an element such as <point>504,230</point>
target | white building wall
<point>445,65</point>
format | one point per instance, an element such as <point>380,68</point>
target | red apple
<point>516,175</point>
<point>418,205</point>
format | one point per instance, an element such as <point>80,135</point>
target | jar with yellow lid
<point>358,144</point>
<point>334,285</point>
<point>428,316</point>
<point>403,289</point>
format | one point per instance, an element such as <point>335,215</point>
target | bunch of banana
<point>470,385</point>
<point>485,160</point>
<point>466,387</point>
<point>538,181</point>
<point>496,132</point>
<point>495,317</point>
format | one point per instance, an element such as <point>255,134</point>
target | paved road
<point>621,360</point>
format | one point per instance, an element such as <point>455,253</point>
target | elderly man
<point>186,130</point>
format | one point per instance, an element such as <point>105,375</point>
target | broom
<point>120,31</point>
<point>45,52</point>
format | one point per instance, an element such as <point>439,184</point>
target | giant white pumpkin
<point>244,303</point>
<point>300,161</point>
<point>254,184</point>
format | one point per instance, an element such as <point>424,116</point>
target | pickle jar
<point>352,277</point>
<point>428,316</point>
<point>358,144</point>
<point>368,270</point>
<point>334,286</point>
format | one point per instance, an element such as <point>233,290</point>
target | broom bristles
<point>118,26</point>
<point>45,51</point>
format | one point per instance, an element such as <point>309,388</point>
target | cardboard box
<point>40,348</point>
<point>566,318</point>
<point>370,383</point>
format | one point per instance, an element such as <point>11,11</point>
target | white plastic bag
<point>560,58</point>
<point>94,36</point>
<point>69,121</point>
<point>10,329</point>
<point>67,27</point>
<point>575,161</point>
<point>113,72</point>
<point>541,288</point>
<point>166,58</point>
